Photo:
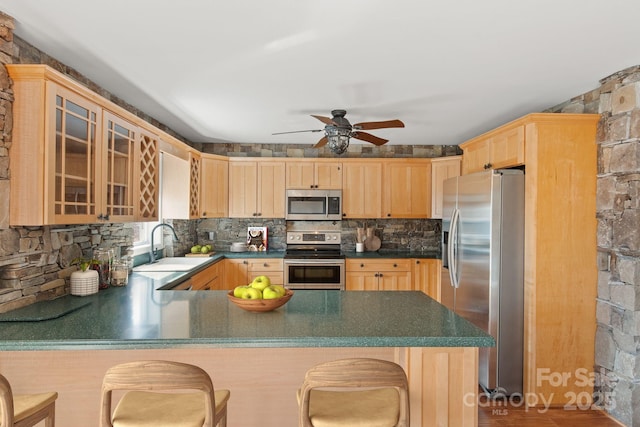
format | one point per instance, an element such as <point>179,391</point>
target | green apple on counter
<point>261,282</point>
<point>196,249</point>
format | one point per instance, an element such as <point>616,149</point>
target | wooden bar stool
<point>26,410</point>
<point>148,401</point>
<point>375,393</point>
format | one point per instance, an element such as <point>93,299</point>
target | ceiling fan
<point>338,131</point>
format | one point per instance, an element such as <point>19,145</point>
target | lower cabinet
<point>208,279</point>
<point>241,271</point>
<point>378,275</point>
<point>426,276</point>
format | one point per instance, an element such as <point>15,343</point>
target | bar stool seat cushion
<point>25,405</point>
<point>367,408</point>
<point>144,409</point>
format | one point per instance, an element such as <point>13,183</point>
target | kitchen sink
<point>172,264</point>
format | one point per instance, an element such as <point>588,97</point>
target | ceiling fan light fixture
<point>338,139</point>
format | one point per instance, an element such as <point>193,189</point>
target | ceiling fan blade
<point>325,120</point>
<point>298,131</point>
<point>323,141</point>
<point>379,125</point>
<point>369,138</point>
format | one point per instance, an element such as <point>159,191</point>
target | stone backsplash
<point>395,234</point>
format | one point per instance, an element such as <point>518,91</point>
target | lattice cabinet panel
<point>149,191</point>
<point>194,186</point>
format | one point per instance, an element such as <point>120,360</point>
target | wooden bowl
<point>260,305</point>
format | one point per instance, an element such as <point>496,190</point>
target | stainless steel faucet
<point>152,253</point>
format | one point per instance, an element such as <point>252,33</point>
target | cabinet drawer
<point>378,265</point>
<point>270,264</point>
<point>203,279</point>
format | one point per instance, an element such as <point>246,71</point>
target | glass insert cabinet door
<point>119,148</point>
<point>75,195</point>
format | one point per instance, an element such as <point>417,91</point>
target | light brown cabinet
<point>560,276</point>
<point>407,188</point>
<point>426,276</point>
<point>241,271</point>
<point>303,174</point>
<point>76,158</point>
<point>442,168</point>
<point>501,148</point>
<point>378,275</point>
<point>256,188</point>
<point>210,279</point>
<point>362,189</point>
<point>214,187</point>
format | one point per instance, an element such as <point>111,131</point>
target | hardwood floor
<point>516,415</point>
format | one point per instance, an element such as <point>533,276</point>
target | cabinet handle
<point>265,265</point>
<point>361,265</point>
<point>395,265</point>
<point>245,262</point>
<point>204,214</point>
<point>376,275</point>
<point>344,214</point>
<point>388,214</point>
<point>380,275</point>
<point>417,261</point>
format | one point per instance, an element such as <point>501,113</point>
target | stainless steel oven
<point>313,260</point>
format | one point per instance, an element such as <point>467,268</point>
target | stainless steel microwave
<point>314,205</point>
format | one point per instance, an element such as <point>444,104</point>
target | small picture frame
<point>257,239</point>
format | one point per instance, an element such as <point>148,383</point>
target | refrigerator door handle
<point>453,247</point>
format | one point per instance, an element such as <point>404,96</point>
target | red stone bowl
<point>260,305</point>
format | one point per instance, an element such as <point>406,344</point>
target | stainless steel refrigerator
<point>483,267</point>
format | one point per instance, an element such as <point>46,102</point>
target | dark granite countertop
<point>141,316</point>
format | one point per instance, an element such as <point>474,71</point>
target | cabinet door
<point>243,178</point>
<point>328,175</point>
<point>361,281</point>
<point>300,175</point>
<point>476,156</point>
<point>119,145</point>
<point>395,281</point>
<point>147,177</point>
<point>407,189</point>
<point>235,272</point>
<point>271,189</point>
<point>194,185</point>
<point>507,148</point>
<point>426,277</point>
<point>441,169</point>
<point>207,279</point>
<point>214,188</point>
<point>362,190</point>
<point>74,159</point>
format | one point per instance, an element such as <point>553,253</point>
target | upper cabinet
<point>306,173</point>
<point>407,188</point>
<point>74,159</point>
<point>256,188</point>
<point>441,168</point>
<point>362,189</point>
<point>501,148</point>
<point>214,186</point>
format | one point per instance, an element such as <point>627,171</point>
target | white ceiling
<point>238,71</point>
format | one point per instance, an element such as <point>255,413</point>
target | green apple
<point>204,250</point>
<point>196,249</point>
<point>252,293</point>
<point>261,282</point>
<point>239,290</point>
<point>209,247</point>
<point>271,292</point>
<point>281,289</point>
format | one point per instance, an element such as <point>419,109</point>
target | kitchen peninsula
<point>260,357</point>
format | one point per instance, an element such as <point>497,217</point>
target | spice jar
<point>119,273</point>
<point>102,259</point>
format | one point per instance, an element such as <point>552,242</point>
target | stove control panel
<point>314,237</point>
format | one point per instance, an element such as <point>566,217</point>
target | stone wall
<point>617,352</point>
<point>395,234</point>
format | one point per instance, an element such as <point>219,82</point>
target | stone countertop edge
<point>207,319</point>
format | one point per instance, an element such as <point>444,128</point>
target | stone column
<point>618,212</point>
<point>6,121</point>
